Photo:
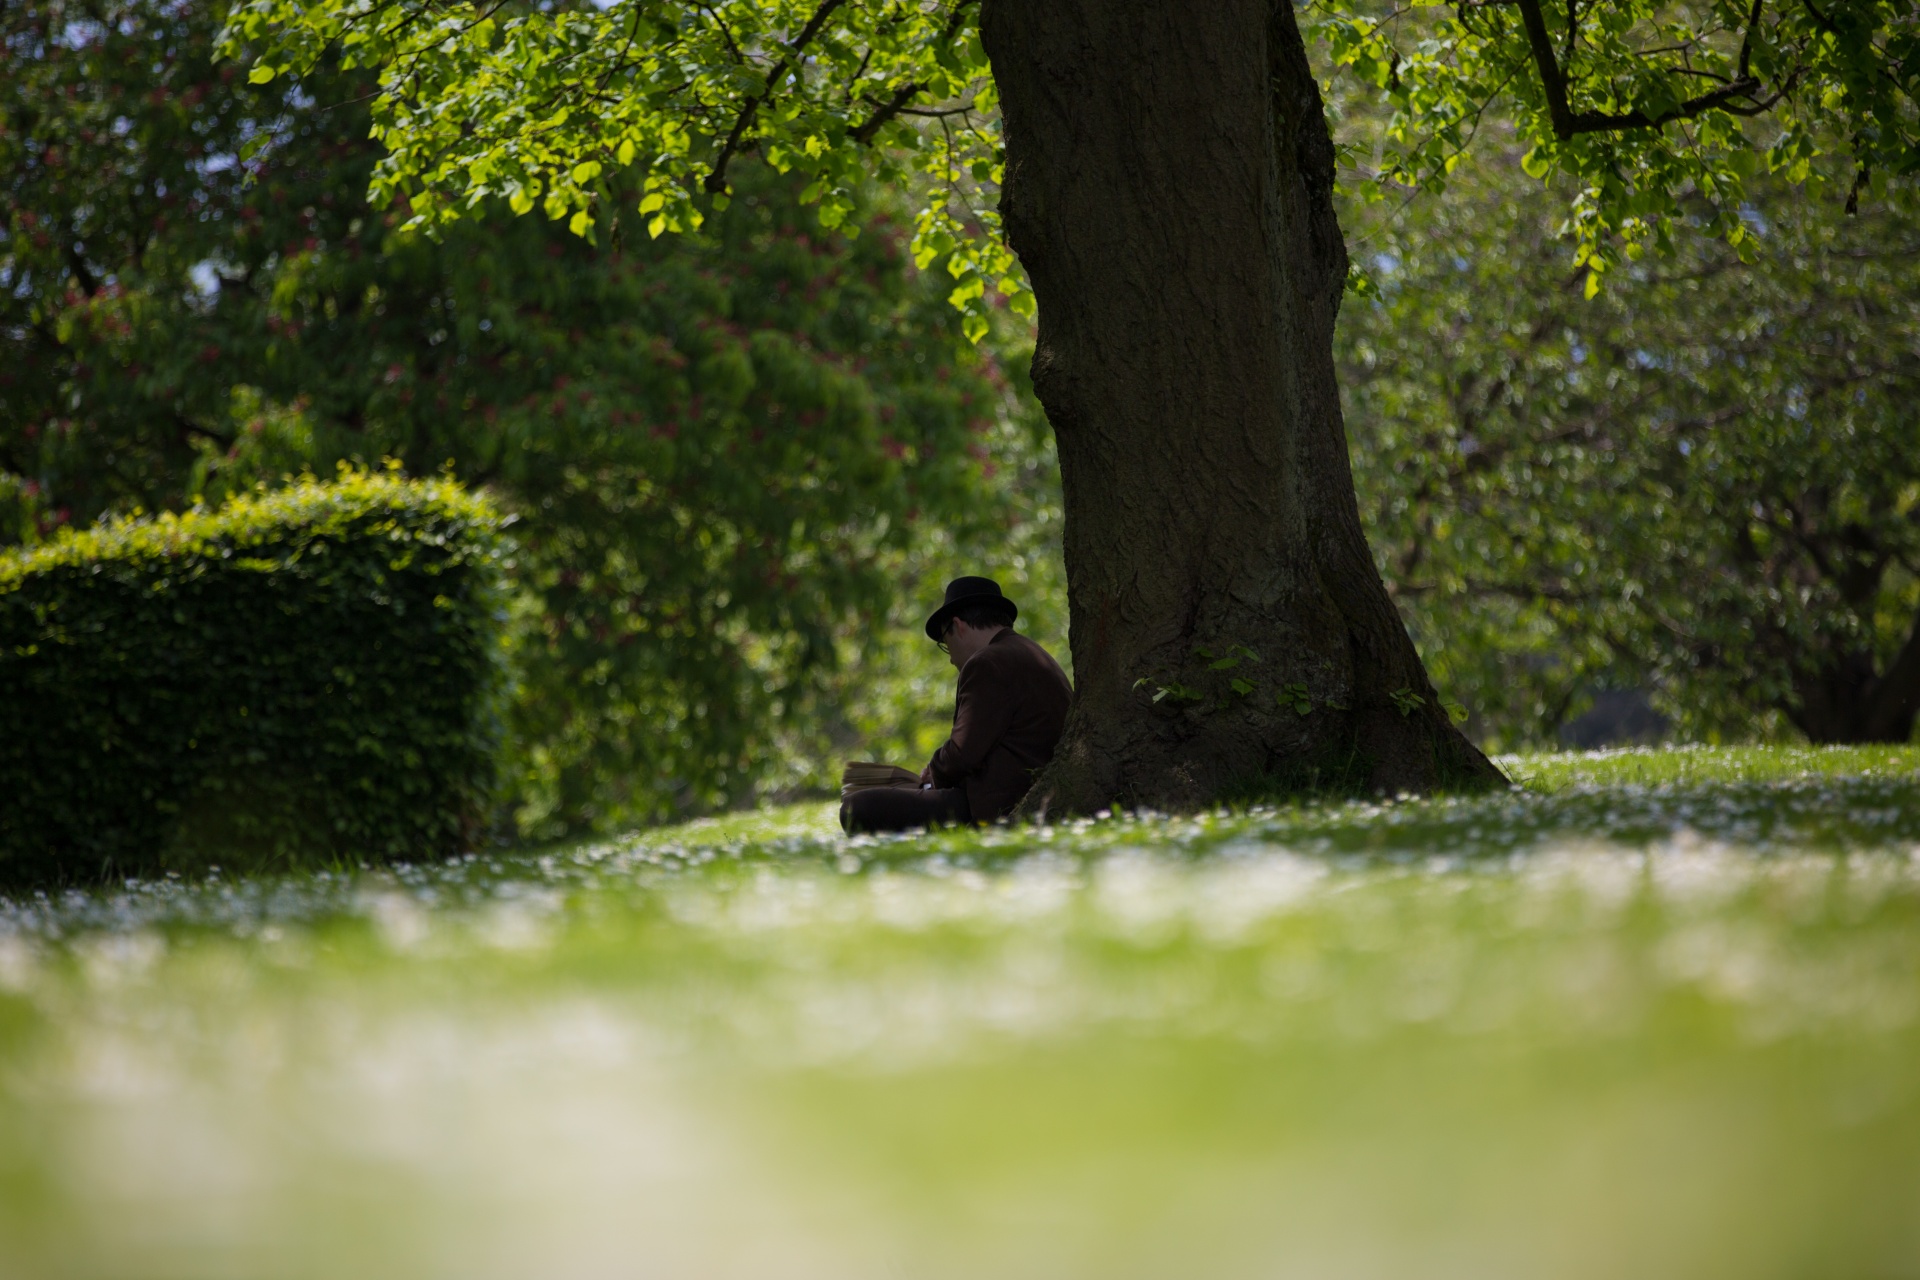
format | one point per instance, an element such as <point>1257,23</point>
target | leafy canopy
<point>1648,104</point>
<point>545,105</point>
<point>1651,107</point>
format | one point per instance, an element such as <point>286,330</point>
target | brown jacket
<point>1007,716</point>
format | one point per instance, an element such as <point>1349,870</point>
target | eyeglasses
<point>945,636</point>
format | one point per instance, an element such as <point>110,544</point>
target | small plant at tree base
<point>1239,685</point>
<point>1456,712</point>
<point>1234,657</point>
<point>1406,701</point>
<point>1295,696</point>
<point>1172,689</point>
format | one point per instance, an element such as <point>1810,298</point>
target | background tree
<point>1703,480</point>
<point>118,136</point>
<point>1167,183</point>
<point>1658,113</point>
<point>728,451</point>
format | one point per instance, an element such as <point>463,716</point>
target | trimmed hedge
<point>310,673</point>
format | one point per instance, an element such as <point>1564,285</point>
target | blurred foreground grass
<point>1656,1015</point>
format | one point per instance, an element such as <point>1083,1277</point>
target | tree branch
<point>892,107</point>
<point>1862,176</point>
<point>632,33</point>
<point>77,263</point>
<point>1567,122</point>
<point>1541,45</point>
<point>716,182</point>
<point>726,32</point>
<point>1820,19</point>
<point>1746,43</point>
<point>885,111</point>
<point>188,427</point>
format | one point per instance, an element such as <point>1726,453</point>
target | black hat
<point>962,592</point>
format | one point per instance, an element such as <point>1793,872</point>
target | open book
<point>859,775</point>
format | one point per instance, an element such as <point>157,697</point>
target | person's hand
<point>926,777</point>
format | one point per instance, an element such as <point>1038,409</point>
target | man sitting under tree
<point>1009,708</point>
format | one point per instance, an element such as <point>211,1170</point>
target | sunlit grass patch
<point>1672,766</point>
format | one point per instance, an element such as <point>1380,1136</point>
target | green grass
<point>1704,766</point>
<point>1656,1014</point>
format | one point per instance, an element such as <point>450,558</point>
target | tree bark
<point>1896,695</point>
<point>1169,191</point>
<point>1848,701</point>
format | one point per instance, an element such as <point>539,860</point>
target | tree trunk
<point>1169,190</point>
<point>1847,701</point>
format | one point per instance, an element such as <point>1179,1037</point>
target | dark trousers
<point>903,809</point>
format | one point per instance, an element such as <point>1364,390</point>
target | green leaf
<point>1295,697</point>
<point>968,291</point>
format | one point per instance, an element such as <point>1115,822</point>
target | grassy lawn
<point>1656,1013</point>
